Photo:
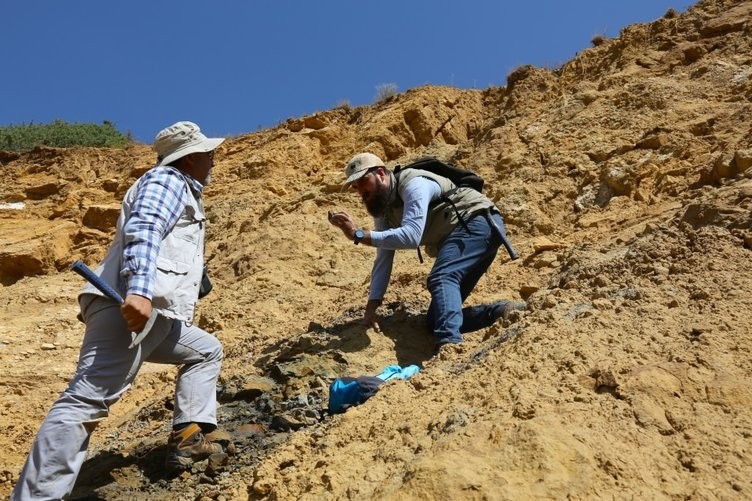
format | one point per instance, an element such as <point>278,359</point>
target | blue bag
<point>346,392</point>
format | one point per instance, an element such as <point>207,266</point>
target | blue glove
<point>395,371</point>
<point>409,371</point>
<point>390,372</point>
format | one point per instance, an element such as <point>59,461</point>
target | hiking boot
<point>506,310</point>
<point>188,445</point>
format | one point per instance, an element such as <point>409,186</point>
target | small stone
<point>541,244</point>
<point>654,142</point>
<point>48,346</point>
<point>216,464</point>
<point>546,261</point>
<point>603,304</point>
<point>550,302</point>
<point>602,281</point>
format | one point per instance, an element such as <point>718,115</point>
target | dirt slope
<point>625,183</point>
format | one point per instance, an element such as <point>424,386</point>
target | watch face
<point>360,234</point>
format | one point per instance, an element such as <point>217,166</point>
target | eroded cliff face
<point>624,180</point>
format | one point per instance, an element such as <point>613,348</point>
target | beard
<point>377,204</point>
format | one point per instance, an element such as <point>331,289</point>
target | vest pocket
<point>171,266</point>
<point>171,277</point>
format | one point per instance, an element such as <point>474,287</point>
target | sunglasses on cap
<point>361,178</point>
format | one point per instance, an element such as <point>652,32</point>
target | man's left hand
<point>344,222</point>
<point>369,318</point>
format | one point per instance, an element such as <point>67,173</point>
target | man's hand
<point>136,311</point>
<point>369,318</point>
<point>344,222</point>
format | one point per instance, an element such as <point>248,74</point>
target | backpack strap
<point>443,198</point>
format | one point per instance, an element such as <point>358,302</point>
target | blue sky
<point>236,66</point>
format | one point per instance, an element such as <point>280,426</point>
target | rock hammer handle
<point>83,270</point>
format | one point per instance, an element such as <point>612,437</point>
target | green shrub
<point>60,134</point>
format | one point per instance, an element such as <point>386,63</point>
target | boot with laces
<point>188,445</point>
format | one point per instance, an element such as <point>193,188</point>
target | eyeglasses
<point>358,181</point>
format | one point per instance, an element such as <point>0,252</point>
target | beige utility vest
<point>179,263</point>
<point>442,217</point>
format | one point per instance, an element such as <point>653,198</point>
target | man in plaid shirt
<point>155,262</point>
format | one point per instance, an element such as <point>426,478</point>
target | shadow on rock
<point>406,326</point>
<point>100,474</point>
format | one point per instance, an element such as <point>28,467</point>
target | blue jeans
<point>463,258</point>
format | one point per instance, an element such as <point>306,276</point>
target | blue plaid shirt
<point>160,199</point>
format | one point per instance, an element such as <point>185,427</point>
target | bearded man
<point>459,225</point>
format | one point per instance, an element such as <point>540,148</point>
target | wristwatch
<point>358,235</point>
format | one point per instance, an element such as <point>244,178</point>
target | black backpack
<point>457,175</point>
<point>461,178</point>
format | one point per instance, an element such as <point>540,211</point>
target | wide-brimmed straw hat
<point>181,139</point>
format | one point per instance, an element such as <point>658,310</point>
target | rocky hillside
<point>624,178</point>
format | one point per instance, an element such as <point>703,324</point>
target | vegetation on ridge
<point>60,134</point>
